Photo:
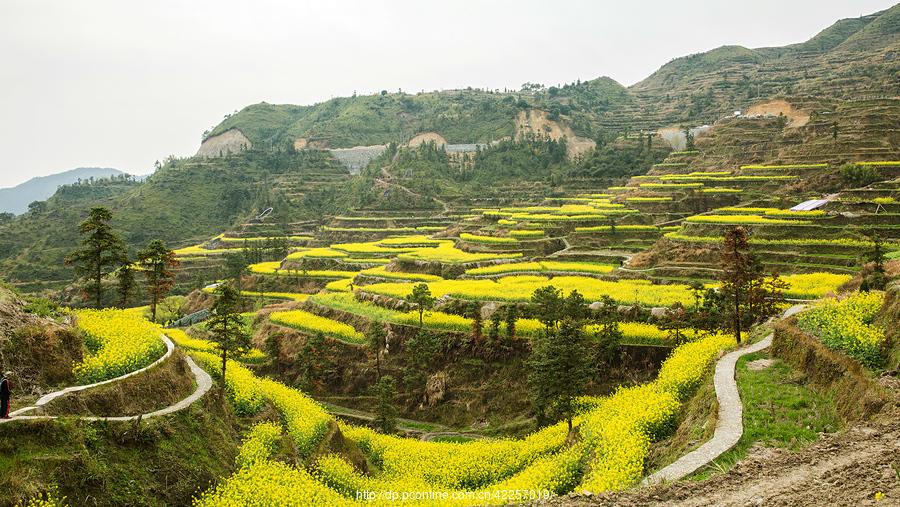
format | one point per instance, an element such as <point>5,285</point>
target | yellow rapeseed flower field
<point>118,341</point>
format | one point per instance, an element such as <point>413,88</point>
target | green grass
<point>779,411</point>
<point>162,462</point>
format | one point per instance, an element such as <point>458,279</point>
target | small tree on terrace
<point>559,369</point>
<point>101,251</point>
<point>226,325</point>
<point>765,297</point>
<point>377,339</point>
<point>740,270</point>
<point>547,303</point>
<point>512,314</point>
<point>422,299</point>
<point>675,322</point>
<point>559,366</point>
<point>688,138</point>
<point>157,262</point>
<point>874,278</point>
<point>609,333</point>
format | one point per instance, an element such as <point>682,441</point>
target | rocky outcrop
<point>228,142</point>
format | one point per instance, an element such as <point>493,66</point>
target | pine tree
<point>377,339</point>
<point>512,314</point>
<point>675,322</point>
<point>385,391</point>
<point>609,333</point>
<point>559,366</point>
<point>559,369</point>
<point>547,304</point>
<point>226,326</point>
<point>157,263</point>
<point>125,282</point>
<point>740,269</point>
<point>101,252</point>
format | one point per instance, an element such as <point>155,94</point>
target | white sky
<point>122,83</point>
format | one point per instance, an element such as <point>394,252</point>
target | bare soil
<point>536,122</point>
<point>775,107</point>
<point>846,468</point>
<point>427,137</point>
<point>759,364</point>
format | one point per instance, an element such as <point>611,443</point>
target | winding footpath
<point>730,423</point>
<point>204,383</point>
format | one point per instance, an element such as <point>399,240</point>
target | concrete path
<point>730,423</point>
<point>47,398</point>
<point>204,383</point>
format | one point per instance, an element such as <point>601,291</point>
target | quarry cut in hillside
<point>779,108</point>
<point>535,122</point>
<point>227,143</point>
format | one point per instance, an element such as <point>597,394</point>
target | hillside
<point>852,59</point>
<point>182,201</point>
<point>577,295</point>
<point>16,199</point>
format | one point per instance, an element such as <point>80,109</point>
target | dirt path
<point>845,468</point>
<point>423,430</point>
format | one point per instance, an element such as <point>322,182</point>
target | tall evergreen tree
<point>559,366</point>
<point>226,326</point>
<point>512,314</point>
<point>559,369</point>
<point>125,282</point>
<point>609,333</point>
<point>100,253</point>
<point>386,410</point>
<point>739,270</point>
<point>377,339</point>
<point>547,304</point>
<point>157,263</point>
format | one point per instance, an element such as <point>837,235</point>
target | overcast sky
<point>121,83</point>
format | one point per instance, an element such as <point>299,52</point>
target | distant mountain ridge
<point>854,58</point>
<point>16,199</point>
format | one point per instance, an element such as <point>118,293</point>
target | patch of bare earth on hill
<point>778,107</point>
<point>537,122</point>
<point>845,468</point>
<point>228,142</point>
<point>427,137</point>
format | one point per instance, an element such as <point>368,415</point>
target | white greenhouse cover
<point>810,205</point>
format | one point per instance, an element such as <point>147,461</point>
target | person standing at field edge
<point>5,393</point>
